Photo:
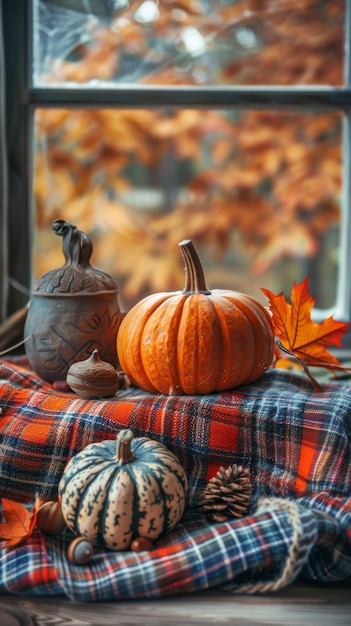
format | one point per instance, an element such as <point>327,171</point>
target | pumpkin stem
<point>124,452</point>
<point>194,275</point>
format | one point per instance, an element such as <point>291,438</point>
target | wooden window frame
<point>23,98</point>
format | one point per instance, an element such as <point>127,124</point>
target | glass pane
<point>190,42</point>
<point>258,192</point>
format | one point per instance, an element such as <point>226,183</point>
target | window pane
<point>193,42</point>
<point>258,192</point>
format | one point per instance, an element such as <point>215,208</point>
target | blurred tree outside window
<point>258,190</point>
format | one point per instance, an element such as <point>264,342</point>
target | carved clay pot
<point>72,311</point>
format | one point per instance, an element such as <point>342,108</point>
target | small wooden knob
<point>79,551</point>
<point>50,518</point>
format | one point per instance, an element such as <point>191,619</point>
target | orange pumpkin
<point>195,341</point>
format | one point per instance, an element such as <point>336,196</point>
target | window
<point>146,122</point>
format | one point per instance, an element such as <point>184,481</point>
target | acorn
<point>50,518</point>
<point>140,544</point>
<point>79,551</point>
<point>93,378</point>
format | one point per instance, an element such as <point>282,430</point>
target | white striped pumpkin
<point>112,494</point>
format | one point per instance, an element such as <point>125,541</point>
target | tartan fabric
<point>295,441</point>
<point>256,554</point>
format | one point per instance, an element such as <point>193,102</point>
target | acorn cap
<point>77,275</point>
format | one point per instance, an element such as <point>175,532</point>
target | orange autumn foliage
<point>18,524</point>
<point>299,335</point>
<point>273,177</point>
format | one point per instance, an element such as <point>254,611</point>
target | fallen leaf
<point>299,335</point>
<point>19,522</point>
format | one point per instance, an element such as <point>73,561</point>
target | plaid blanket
<point>296,442</point>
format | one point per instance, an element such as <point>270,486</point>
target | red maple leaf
<point>298,335</point>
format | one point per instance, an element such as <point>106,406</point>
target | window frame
<point>31,97</point>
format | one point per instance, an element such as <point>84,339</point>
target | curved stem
<point>124,452</point>
<point>194,275</point>
<point>77,247</point>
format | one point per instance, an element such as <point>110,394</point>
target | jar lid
<point>77,275</point>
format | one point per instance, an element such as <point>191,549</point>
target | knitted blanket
<point>296,443</point>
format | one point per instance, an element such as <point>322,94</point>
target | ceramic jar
<point>72,310</point>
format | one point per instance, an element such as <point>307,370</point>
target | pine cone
<point>227,494</point>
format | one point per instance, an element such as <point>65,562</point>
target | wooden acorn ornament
<point>80,551</point>
<point>50,518</point>
<point>93,378</point>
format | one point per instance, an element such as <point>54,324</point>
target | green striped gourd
<point>112,494</point>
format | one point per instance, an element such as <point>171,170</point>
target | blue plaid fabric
<point>296,442</point>
<point>260,553</point>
